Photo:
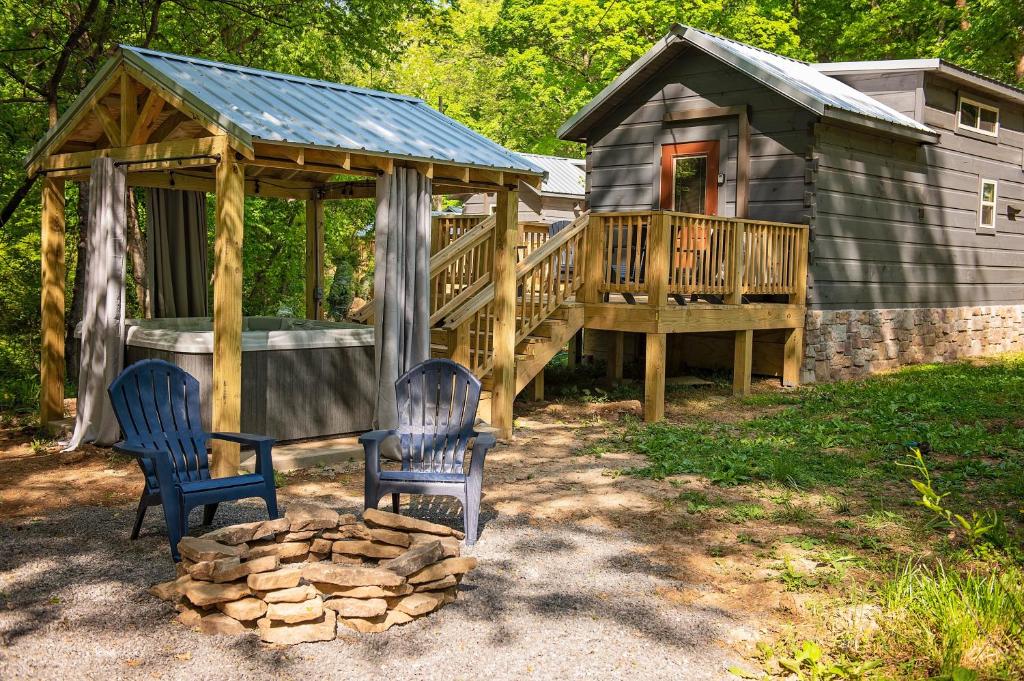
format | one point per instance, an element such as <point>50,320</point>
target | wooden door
<point>689,177</point>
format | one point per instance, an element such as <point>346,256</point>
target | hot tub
<point>300,378</point>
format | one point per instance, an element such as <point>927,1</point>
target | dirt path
<point>583,571</point>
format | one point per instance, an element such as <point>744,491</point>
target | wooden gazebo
<point>179,122</point>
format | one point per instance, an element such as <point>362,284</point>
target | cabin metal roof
<point>962,75</point>
<point>565,176</point>
<point>798,81</point>
<point>253,104</point>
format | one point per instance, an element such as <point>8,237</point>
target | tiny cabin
<point>908,173</point>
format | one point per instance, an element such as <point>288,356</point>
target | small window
<point>987,211</point>
<point>978,117</point>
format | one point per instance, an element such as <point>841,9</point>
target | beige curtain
<point>401,282</point>
<point>176,271</point>
<point>103,326</point>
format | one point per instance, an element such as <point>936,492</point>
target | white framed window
<point>987,207</point>
<point>978,117</point>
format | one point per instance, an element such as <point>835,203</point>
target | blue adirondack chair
<point>437,402</point>
<point>157,405</point>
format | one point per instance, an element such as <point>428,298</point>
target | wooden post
<point>129,108</point>
<point>742,362</point>
<point>506,229</point>
<point>735,295</point>
<point>314,259</point>
<point>657,260</point>
<point>570,351</point>
<point>536,388</point>
<point>792,357</point>
<point>616,350</point>
<point>593,259</point>
<point>51,360</point>
<point>226,391</point>
<point>458,344</point>
<point>654,378</point>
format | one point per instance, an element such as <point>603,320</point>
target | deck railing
<point>662,253</point>
<point>548,276</point>
<point>458,271</point>
<point>444,229</point>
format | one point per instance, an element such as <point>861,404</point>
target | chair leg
<point>471,517</point>
<point>271,499</point>
<point>140,515</point>
<point>209,510</point>
<point>177,525</point>
<point>395,502</point>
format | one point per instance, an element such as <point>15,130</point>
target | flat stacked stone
<point>314,573</point>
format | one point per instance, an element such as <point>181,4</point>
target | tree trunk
<point>136,246</point>
<point>72,345</point>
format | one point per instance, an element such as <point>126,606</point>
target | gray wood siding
<point>896,224</point>
<point>624,154</point>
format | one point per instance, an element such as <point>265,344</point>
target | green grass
<point>804,457</point>
<point>957,619</point>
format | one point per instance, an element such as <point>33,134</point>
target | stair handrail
<point>438,263</point>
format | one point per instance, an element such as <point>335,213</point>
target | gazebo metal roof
<point>253,104</point>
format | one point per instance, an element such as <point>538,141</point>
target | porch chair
<point>437,403</point>
<point>157,405</point>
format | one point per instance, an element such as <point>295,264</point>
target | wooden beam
<point>51,360</point>
<point>735,272</point>
<point>170,125</point>
<point>654,378</point>
<point>187,181</point>
<point>111,130</point>
<point>506,230</point>
<point>226,391</point>
<point>145,125</point>
<point>129,108</point>
<point>742,364</point>
<point>743,164</point>
<point>792,357</point>
<point>79,161</point>
<point>616,352</point>
<point>76,119</point>
<point>314,259</point>
<point>593,257</point>
<point>535,389</point>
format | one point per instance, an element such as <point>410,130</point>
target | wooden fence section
<point>532,235</point>
<point>444,229</point>
<point>706,255</point>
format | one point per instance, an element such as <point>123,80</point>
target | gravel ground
<point>572,601</point>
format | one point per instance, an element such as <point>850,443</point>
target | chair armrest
<point>261,443</point>
<point>244,439</point>
<point>482,442</point>
<point>160,459</point>
<point>371,448</point>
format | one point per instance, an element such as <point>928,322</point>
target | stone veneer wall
<point>844,344</point>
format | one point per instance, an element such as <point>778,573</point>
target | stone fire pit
<point>303,577</point>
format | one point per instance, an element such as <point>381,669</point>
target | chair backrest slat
<point>437,403</point>
<point>157,406</point>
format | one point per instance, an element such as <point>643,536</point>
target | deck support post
<point>616,352</point>
<point>314,259</point>
<point>654,378</point>
<point>536,388</point>
<point>51,360</point>
<point>742,362</point>
<point>571,351</point>
<point>506,231</point>
<point>227,309</point>
<point>792,356</point>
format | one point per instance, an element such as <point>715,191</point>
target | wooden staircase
<point>462,302</point>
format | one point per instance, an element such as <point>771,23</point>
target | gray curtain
<point>176,252</point>
<point>103,326</point>
<point>400,283</point>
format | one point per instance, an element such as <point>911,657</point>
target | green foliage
<point>339,297</point>
<point>958,622</point>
